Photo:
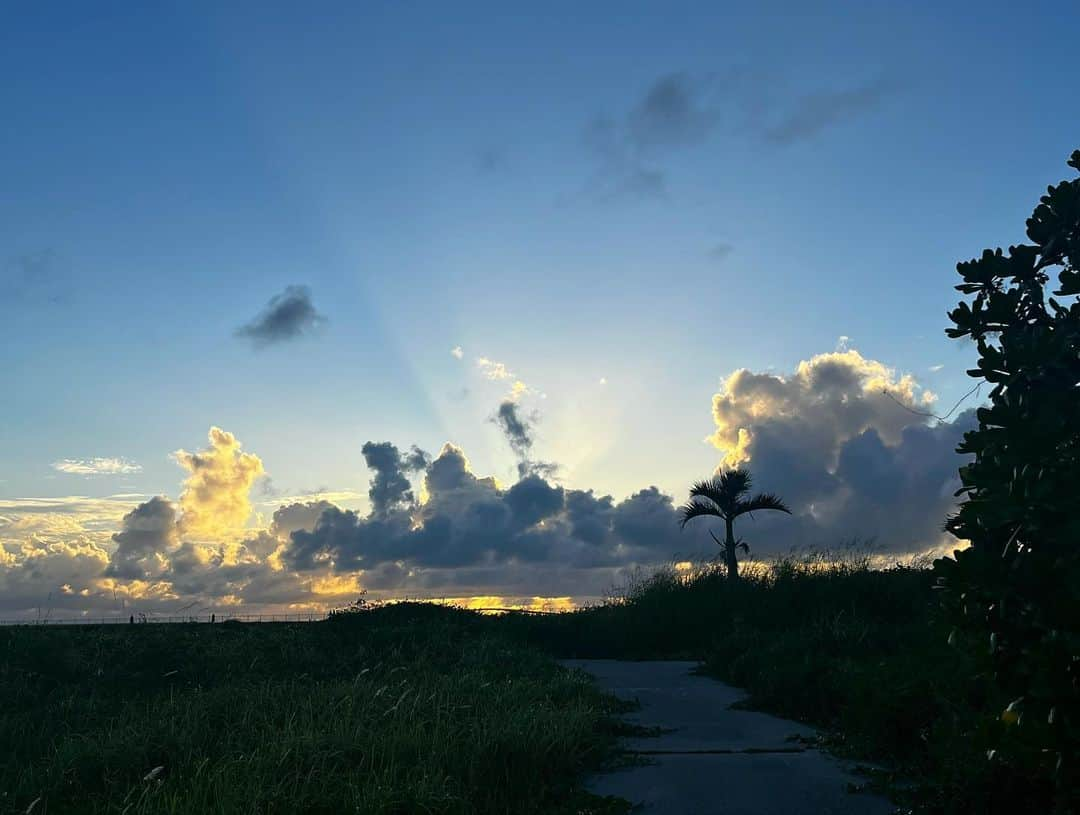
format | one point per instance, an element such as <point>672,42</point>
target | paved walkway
<point>712,760</point>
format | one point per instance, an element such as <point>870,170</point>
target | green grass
<point>422,709</point>
<point>861,653</point>
<point>405,709</point>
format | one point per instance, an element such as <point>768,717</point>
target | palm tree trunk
<point>729,551</point>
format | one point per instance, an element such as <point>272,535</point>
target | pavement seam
<point>720,751</point>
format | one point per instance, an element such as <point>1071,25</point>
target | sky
<point>568,251</point>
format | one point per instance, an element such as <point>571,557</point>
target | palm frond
<point>710,489</point>
<point>736,482</point>
<point>724,489</point>
<point>763,500</point>
<point>697,509</point>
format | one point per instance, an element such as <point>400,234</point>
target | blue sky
<point>653,195</point>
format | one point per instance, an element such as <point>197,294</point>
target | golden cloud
<point>842,392</point>
<point>216,500</point>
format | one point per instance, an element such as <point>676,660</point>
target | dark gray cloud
<point>515,429</point>
<point>815,112</point>
<point>471,522</point>
<point>390,486</point>
<point>287,316</point>
<point>518,431</point>
<point>147,535</point>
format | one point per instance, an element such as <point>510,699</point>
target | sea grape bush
<point>1018,584</point>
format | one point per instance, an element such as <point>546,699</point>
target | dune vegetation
<point>868,655</point>
<point>403,709</point>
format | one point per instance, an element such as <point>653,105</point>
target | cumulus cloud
<point>216,499</point>
<point>96,466</point>
<point>287,316</point>
<point>390,486</point>
<point>841,438</point>
<point>471,528</point>
<point>845,440</point>
<point>37,577</point>
<point>456,352</point>
<point>147,536</point>
<point>67,555</point>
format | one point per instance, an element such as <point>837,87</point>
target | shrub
<point>1017,587</point>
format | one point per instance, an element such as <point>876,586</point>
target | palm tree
<point>724,496</point>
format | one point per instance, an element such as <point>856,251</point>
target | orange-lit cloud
<point>841,392</point>
<point>216,501</point>
<point>849,443</point>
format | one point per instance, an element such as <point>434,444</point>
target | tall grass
<point>423,709</point>
<point>824,638</point>
<point>399,710</point>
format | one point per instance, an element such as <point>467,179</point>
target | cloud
<point>679,111</point>
<point>456,352</point>
<point>672,113</point>
<point>499,372</point>
<point>493,370</point>
<point>817,111</point>
<point>842,439</point>
<point>471,528</point>
<point>390,486</point>
<point>37,577</point>
<point>96,466</point>
<point>518,431</point>
<point>491,159</point>
<point>721,251</point>
<point>33,278</point>
<point>620,172</point>
<point>839,437</point>
<point>216,497</point>
<point>58,519</point>
<point>165,554</point>
<point>936,368</point>
<point>148,535</point>
<point>287,316</point>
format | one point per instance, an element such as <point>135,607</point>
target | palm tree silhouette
<point>724,496</point>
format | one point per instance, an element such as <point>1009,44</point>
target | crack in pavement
<point>719,751</point>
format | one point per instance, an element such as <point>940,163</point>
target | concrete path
<point>712,760</point>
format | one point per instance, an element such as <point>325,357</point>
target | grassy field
<point>404,709</point>
<point>861,653</point>
<point>417,708</point>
